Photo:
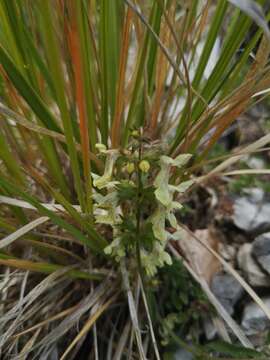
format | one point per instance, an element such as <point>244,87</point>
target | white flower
<point>107,210</point>
<point>105,180</point>
<point>156,259</point>
<point>116,249</point>
<point>158,223</point>
<point>164,194</point>
<point>182,187</point>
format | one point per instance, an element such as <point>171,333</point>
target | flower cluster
<point>135,199</point>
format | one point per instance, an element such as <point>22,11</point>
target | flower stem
<point>138,216</point>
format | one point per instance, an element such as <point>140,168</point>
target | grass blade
<point>45,268</point>
<point>22,231</point>
<point>96,245</point>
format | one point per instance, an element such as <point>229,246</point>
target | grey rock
<point>228,252</point>
<point>254,320</point>
<point>250,268</point>
<point>255,195</point>
<point>227,289</point>
<point>183,354</point>
<point>261,250</point>
<point>255,163</point>
<point>252,212</point>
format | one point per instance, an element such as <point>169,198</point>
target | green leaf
<point>237,352</point>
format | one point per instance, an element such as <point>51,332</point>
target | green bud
<point>144,166</point>
<point>135,133</point>
<point>130,167</point>
<point>101,147</point>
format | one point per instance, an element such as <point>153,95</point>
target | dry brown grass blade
<point>22,231</point>
<point>153,337</point>
<point>240,106</point>
<point>122,342</point>
<point>132,309</point>
<point>27,347</point>
<point>225,121</point>
<point>101,292</point>
<point>224,112</point>
<point>87,326</point>
<point>263,141</point>
<point>225,157</point>
<point>247,172</point>
<point>10,319</point>
<point>47,321</point>
<point>132,334</point>
<point>221,328</point>
<point>233,272</point>
<point>25,205</point>
<point>262,88</point>
<point>54,248</point>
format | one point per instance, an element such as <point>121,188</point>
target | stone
<point>255,195</point>
<point>228,252</point>
<point>227,290</point>
<point>250,268</point>
<point>254,320</point>
<point>252,212</point>
<point>261,251</point>
<point>255,163</point>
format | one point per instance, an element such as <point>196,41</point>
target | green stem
<point>138,218</point>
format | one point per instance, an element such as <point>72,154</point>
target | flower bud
<point>144,166</point>
<point>101,147</point>
<point>130,167</point>
<point>135,133</point>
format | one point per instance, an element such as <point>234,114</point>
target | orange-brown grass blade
<point>74,43</point>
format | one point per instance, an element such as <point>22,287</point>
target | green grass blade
<point>27,92</point>
<point>109,37</point>
<point>233,40</point>
<point>88,68</point>
<point>57,220</point>
<point>54,61</point>
<point>153,46</point>
<point>10,162</point>
<point>218,18</point>
<point>45,268</point>
<point>136,106</point>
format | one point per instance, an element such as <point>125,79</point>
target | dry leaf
<point>201,260</point>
